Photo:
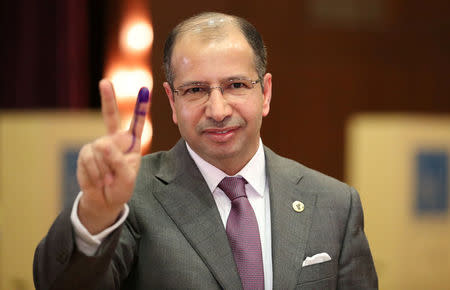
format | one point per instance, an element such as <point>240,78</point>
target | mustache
<point>227,122</point>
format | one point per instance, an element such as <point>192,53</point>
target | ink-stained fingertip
<point>144,95</point>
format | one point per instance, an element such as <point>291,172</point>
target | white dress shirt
<point>257,190</point>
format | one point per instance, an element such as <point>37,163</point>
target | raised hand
<point>107,168</point>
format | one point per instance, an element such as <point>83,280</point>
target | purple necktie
<point>243,234</point>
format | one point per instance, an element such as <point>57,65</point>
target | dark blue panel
<point>70,188</point>
<point>432,182</point>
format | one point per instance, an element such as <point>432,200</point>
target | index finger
<point>140,113</point>
<point>110,111</point>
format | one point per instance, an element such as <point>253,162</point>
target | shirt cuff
<point>85,241</point>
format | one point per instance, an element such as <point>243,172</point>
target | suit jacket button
<point>298,206</point>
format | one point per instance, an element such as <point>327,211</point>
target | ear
<point>267,94</point>
<point>169,94</point>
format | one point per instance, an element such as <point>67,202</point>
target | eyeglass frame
<point>210,88</point>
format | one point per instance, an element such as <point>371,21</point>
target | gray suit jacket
<point>174,236</point>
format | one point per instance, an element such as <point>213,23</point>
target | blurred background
<point>361,92</point>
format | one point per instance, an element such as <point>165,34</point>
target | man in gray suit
<point>160,222</point>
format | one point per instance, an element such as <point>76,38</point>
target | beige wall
<point>31,146</point>
<point>411,250</point>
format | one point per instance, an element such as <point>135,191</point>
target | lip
<point>220,135</point>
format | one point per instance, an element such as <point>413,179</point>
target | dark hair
<point>203,21</point>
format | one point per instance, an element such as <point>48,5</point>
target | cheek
<point>187,116</point>
<point>251,111</point>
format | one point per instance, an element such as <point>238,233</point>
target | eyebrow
<point>196,83</point>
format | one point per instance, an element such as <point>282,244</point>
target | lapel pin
<point>298,206</point>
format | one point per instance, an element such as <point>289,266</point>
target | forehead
<point>220,55</point>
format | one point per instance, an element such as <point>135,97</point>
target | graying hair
<point>211,25</point>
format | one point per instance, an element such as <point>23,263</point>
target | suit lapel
<point>188,201</point>
<point>290,229</point>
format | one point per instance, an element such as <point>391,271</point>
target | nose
<point>217,107</point>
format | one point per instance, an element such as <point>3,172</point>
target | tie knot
<point>233,187</point>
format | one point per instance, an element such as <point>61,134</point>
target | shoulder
<point>156,161</point>
<point>166,164</point>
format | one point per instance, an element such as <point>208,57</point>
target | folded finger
<point>88,166</point>
<point>101,164</point>
<point>117,161</point>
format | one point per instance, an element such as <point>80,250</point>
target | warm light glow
<point>128,66</point>
<point>147,133</point>
<point>128,82</point>
<point>137,37</point>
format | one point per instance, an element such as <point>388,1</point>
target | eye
<point>235,85</point>
<point>194,90</point>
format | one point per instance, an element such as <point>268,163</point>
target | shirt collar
<point>254,171</point>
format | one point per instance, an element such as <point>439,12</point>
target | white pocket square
<point>316,259</point>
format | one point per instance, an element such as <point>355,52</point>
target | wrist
<point>96,218</point>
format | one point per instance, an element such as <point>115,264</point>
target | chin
<point>220,153</point>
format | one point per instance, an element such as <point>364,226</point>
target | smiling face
<point>223,130</point>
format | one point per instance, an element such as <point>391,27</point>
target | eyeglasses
<point>232,87</point>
